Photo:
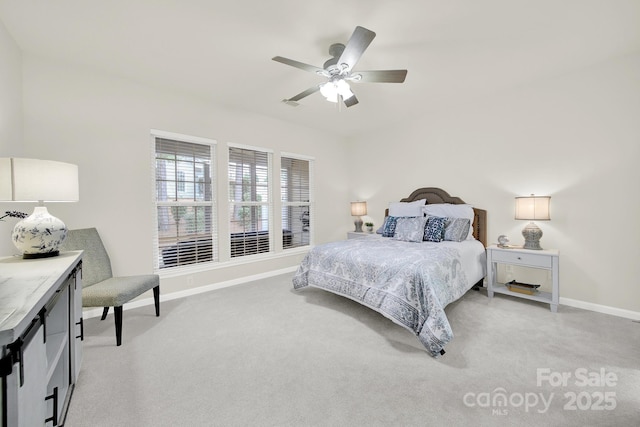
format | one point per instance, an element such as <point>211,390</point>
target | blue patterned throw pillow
<point>434,229</point>
<point>389,226</point>
<point>456,229</point>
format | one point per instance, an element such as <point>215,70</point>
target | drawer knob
<point>519,258</point>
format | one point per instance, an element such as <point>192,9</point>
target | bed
<point>413,289</point>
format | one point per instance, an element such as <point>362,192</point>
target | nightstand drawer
<point>528,259</point>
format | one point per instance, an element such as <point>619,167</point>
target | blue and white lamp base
<point>39,235</point>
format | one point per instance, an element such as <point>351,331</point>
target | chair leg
<point>104,313</point>
<point>156,299</point>
<point>117,313</point>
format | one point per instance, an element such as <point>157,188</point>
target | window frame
<point>246,242</point>
<point>309,204</point>
<point>211,204</point>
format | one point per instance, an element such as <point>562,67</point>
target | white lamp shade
<point>33,180</point>
<point>358,208</point>
<point>6,191</point>
<point>533,208</point>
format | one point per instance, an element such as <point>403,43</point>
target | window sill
<point>216,265</point>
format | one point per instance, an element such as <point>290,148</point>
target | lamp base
<point>43,255</point>
<point>532,235</point>
<point>358,223</point>
<point>39,235</point>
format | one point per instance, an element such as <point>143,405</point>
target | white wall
<point>102,124</point>
<point>574,137</point>
<point>10,94</point>
<point>571,136</point>
<point>10,120</point>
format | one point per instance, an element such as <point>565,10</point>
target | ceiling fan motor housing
<point>335,50</point>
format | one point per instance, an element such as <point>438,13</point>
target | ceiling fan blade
<point>301,65</point>
<point>355,47</point>
<point>304,94</point>
<point>351,101</point>
<point>379,76</point>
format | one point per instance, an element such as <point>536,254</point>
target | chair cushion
<point>116,291</point>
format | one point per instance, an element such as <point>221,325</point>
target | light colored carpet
<point>262,354</point>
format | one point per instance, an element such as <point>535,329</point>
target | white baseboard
<point>97,312</point>
<point>620,312</point>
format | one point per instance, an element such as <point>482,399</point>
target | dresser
<point>41,334</point>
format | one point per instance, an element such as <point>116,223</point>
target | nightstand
<point>546,259</point>
<point>356,235</point>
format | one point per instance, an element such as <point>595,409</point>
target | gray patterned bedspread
<point>410,283</point>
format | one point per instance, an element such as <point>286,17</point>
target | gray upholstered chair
<point>99,287</point>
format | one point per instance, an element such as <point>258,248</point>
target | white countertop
<point>26,285</point>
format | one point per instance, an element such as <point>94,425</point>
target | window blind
<point>295,192</point>
<point>185,203</point>
<point>250,204</point>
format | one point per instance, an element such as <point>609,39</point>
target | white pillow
<point>410,229</point>
<point>449,210</point>
<point>407,208</point>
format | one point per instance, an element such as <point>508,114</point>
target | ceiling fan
<point>339,71</point>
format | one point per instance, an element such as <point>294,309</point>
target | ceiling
<point>456,51</point>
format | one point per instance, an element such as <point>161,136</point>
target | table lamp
<point>32,180</point>
<point>358,209</point>
<point>532,208</point>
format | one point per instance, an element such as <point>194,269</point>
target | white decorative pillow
<point>407,208</point>
<point>449,210</point>
<point>410,229</point>
<point>456,229</point>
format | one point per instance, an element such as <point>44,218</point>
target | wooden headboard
<point>436,195</point>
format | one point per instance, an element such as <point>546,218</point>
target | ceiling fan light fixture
<point>338,70</point>
<point>330,90</point>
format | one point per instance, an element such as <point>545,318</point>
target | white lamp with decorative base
<point>532,208</point>
<point>39,235</point>
<point>358,209</point>
<point>32,180</point>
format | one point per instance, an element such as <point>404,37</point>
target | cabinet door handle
<point>81,323</point>
<point>54,416</point>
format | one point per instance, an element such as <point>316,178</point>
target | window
<point>185,201</point>
<point>187,212</point>
<point>296,201</point>
<point>249,201</point>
